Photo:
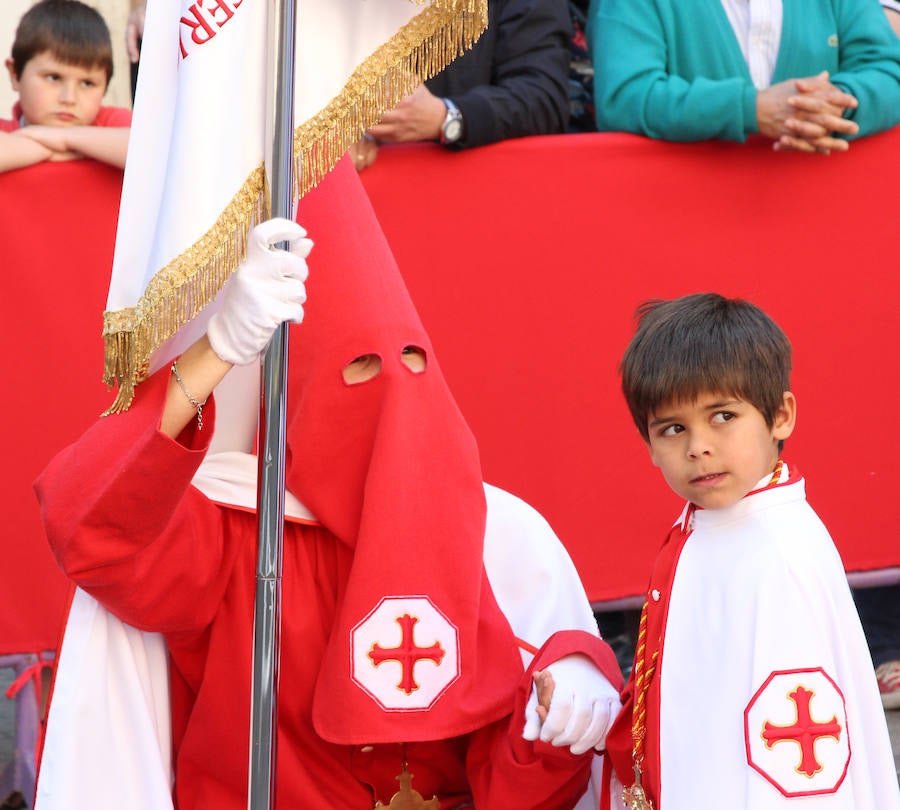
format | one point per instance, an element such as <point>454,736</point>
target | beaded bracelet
<point>197,405</point>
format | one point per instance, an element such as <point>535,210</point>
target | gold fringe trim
<point>418,51</point>
<point>178,292</point>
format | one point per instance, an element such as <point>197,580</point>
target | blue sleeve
<point>631,46</point>
<point>869,64</point>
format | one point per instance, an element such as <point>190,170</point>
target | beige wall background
<point>115,12</point>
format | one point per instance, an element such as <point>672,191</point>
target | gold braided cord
<point>776,473</point>
<point>643,676</point>
<point>179,291</point>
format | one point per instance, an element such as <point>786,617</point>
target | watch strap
<point>452,128</point>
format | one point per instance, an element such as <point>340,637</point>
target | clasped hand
<point>806,115</point>
<point>417,117</point>
<point>571,704</point>
<point>52,139</point>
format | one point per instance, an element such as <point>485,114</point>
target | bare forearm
<point>17,152</point>
<point>267,290</point>
<point>107,144</point>
<point>201,370</point>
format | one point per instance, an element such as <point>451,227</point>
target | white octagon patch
<point>795,728</point>
<point>405,653</point>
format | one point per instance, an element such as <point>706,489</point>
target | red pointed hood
<point>420,649</point>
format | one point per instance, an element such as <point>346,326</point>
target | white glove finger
<point>558,716</point>
<point>568,724</point>
<point>594,735</point>
<point>274,264</point>
<point>299,296</point>
<point>290,308</point>
<point>532,728</point>
<point>301,247</point>
<point>294,267</point>
<point>277,229</point>
<point>261,274</point>
<point>612,708</point>
<point>284,265</point>
<point>251,312</point>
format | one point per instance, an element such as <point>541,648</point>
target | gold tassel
<point>178,292</point>
<point>421,49</point>
<point>117,354</point>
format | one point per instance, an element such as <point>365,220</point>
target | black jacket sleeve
<point>514,82</point>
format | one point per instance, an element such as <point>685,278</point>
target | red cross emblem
<point>804,731</point>
<point>407,653</point>
<point>788,708</point>
<point>389,663</point>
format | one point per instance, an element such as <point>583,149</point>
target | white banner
<point>195,179</point>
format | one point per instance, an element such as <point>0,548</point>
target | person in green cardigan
<point>809,76</point>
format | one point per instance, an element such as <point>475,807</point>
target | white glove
<point>582,708</point>
<point>265,291</point>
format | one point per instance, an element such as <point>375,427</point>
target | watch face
<point>453,130</point>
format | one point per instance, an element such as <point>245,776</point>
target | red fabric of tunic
<point>129,529</point>
<point>619,741</point>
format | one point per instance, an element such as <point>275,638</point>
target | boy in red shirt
<point>60,66</point>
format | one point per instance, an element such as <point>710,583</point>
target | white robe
<point>759,606</point>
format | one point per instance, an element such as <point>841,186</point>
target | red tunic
<point>160,555</point>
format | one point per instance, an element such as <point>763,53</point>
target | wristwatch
<point>452,128</point>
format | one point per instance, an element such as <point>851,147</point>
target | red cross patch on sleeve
<point>405,653</point>
<point>795,730</point>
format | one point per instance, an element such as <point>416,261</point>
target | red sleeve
<point>619,741</point>
<point>125,524</point>
<point>502,765</point>
<point>113,117</point>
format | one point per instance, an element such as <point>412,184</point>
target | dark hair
<point>704,343</point>
<point>73,32</point>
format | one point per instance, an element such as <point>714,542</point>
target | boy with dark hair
<point>60,65</point>
<point>751,680</point>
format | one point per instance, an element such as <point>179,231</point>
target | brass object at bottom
<point>408,799</point>
<point>634,796</point>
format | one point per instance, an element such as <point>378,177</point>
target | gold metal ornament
<point>634,796</point>
<point>406,798</point>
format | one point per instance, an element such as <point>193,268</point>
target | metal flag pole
<point>273,409</point>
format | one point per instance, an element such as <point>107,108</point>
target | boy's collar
<point>780,476</point>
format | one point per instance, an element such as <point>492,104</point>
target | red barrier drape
<point>57,231</point>
<point>527,260</point>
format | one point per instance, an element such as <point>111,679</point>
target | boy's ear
<point>785,417</point>
<point>13,78</point>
